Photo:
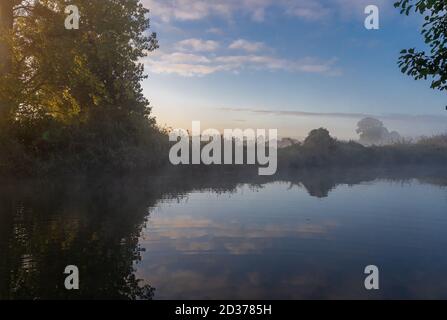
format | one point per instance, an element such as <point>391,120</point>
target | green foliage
<point>419,64</point>
<point>75,96</point>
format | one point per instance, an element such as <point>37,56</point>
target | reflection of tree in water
<point>320,182</point>
<point>48,226</point>
<point>96,224</point>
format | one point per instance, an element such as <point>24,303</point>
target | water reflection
<point>46,226</point>
<point>225,234</point>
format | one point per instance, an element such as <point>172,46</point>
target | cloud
<point>178,57</point>
<point>264,62</point>
<point>192,64</point>
<point>345,115</point>
<point>187,10</point>
<point>246,45</point>
<point>198,45</point>
<point>300,113</point>
<point>193,10</point>
<point>183,64</point>
<point>198,57</point>
<point>309,10</point>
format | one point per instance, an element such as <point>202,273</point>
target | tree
<point>72,90</point>
<point>420,64</point>
<point>320,139</point>
<point>373,132</point>
<point>6,25</point>
<point>6,20</point>
<point>61,73</point>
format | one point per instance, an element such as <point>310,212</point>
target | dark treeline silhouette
<point>318,150</point>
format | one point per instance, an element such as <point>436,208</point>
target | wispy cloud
<point>193,10</point>
<point>309,10</point>
<point>198,45</point>
<point>197,57</point>
<point>345,115</point>
<point>190,64</point>
<point>297,113</point>
<point>248,46</point>
<point>188,10</point>
<point>183,64</point>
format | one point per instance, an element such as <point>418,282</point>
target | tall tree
<point>432,64</point>
<point>80,88</point>
<point>65,73</point>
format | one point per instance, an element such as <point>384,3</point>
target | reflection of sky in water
<point>278,242</point>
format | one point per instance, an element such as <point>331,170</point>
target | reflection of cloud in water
<point>219,251</point>
<point>250,277</point>
<point>277,242</point>
<point>184,235</point>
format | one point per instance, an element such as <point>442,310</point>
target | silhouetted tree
<point>320,139</point>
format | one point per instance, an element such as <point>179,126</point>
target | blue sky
<point>293,65</point>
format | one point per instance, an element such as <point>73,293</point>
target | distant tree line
<point>319,149</point>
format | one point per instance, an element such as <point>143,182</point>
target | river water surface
<point>228,237</point>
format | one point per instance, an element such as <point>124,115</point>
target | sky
<point>291,65</point>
